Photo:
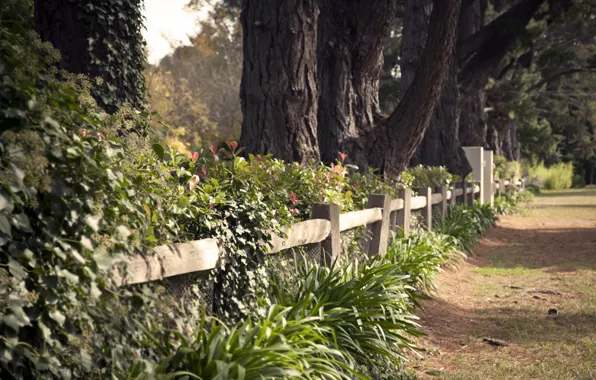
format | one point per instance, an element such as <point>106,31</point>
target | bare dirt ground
<point>541,259</point>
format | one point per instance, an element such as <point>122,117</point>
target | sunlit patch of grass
<point>496,271</point>
<point>568,204</point>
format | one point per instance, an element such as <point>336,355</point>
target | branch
<point>404,129</point>
<point>513,21</point>
<point>491,44</point>
<point>561,73</point>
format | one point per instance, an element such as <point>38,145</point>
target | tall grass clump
<point>555,177</point>
<point>466,224</point>
<point>363,309</point>
<point>276,346</point>
<point>421,256</point>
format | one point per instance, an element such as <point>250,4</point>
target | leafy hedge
<point>80,189</point>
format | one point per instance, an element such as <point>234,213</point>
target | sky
<point>167,22</point>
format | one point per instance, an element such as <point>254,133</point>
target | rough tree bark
<point>106,44</point>
<point>472,119</point>
<point>279,91</point>
<point>440,146</point>
<point>398,137</point>
<point>350,57</point>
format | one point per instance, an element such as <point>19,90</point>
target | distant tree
<point>195,89</point>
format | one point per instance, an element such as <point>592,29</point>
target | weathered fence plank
<point>171,260</point>
<point>418,202</point>
<point>302,233</point>
<point>359,218</point>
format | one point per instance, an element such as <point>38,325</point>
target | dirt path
<point>544,258</point>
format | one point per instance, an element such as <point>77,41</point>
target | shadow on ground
<point>534,248</point>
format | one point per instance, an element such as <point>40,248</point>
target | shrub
<point>466,224</point>
<point>578,182</point>
<point>365,307</point>
<point>524,196</point>
<point>534,189</point>
<point>421,256</point>
<point>275,346</point>
<point>427,176</point>
<point>505,205</point>
<point>556,177</point>
<point>506,169</point>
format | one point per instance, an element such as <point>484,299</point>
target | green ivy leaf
<point>86,243</point>
<point>93,222</point>
<point>57,316</point>
<point>16,269</point>
<point>159,150</point>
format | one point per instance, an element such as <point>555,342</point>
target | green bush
<point>578,182</point>
<point>427,176</point>
<point>421,256</point>
<point>466,224</point>
<point>505,205</point>
<point>524,196</point>
<point>534,189</point>
<point>556,177</point>
<point>365,307</point>
<point>506,169</point>
<point>275,346</point>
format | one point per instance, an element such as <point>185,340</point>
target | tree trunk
<point>472,119</point>
<point>401,134</point>
<point>101,40</point>
<point>350,57</point>
<point>440,146</point>
<point>279,91</point>
<point>509,143</point>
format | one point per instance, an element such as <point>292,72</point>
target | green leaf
<point>57,316</point>
<point>103,260</point>
<point>21,222</point>
<point>16,269</point>
<point>17,319</point>
<point>86,243</point>
<point>5,225</point>
<point>5,201</point>
<point>93,222</point>
<point>159,150</point>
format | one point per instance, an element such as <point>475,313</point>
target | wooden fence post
<point>403,215</point>
<point>475,156</point>
<point>453,200</point>
<point>488,180</point>
<point>380,229</point>
<point>332,245</point>
<point>463,198</point>
<point>427,211</point>
<point>470,195</point>
<point>443,190</point>
<point>501,186</point>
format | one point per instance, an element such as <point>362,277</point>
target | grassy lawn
<point>542,259</point>
<point>567,204</point>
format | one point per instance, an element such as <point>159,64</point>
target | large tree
<point>99,39</point>
<point>399,136</point>
<point>279,78</point>
<point>350,36</point>
<point>350,57</point>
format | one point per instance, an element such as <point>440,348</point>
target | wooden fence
<point>382,215</point>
